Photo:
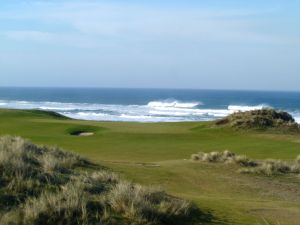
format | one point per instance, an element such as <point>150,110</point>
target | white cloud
<point>135,44</point>
<point>53,38</point>
<point>95,24</point>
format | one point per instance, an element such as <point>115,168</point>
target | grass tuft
<point>267,167</point>
<point>224,157</point>
<point>145,204</point>
<point>43,185</point>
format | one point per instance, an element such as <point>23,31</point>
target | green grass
<point>154,153</point>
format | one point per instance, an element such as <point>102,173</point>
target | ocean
<point>146,105</point>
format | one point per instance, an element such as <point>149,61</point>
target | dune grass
<point>261,119</point>
<point>42,185</point>
<point>155,153</point>
<point>267,167</point>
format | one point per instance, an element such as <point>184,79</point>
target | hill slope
<point>42,185</point>
<point>260,119</point>
<point>154,153</point>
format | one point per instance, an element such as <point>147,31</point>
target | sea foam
<point>236,108</point>
<point>173,104</point>
<point>153,111</point>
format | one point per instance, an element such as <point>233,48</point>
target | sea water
<point>147,105</point>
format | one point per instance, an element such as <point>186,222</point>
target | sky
<point>216,44</point>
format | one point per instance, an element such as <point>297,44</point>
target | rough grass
<point>129,148</point>
<point>224,157</point>
<point>261,119</point>
<point>273,167</point>
<point>42,185</point>
<point>265,222</point>
<point>267,167</point>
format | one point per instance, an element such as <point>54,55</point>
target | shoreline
<point>149,106</point>
<point>120,121</point>
<point>106,121</point>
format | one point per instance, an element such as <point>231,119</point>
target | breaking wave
<point>173,104</point>
<point>154,111</point>
<point>246,108</point>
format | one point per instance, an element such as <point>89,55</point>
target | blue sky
<point>159,43</point>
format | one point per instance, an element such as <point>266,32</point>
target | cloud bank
<point>142,43</point>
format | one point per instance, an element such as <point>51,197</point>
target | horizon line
<point>152,88</point>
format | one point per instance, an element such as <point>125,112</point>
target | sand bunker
<point>85,134</point>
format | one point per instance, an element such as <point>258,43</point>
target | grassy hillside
<point>44,186</point>
<point>265,119</point>
<point>156,154</point>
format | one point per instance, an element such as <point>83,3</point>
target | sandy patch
<point>85,134</point>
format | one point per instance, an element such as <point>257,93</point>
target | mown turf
<point>155,153</point>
